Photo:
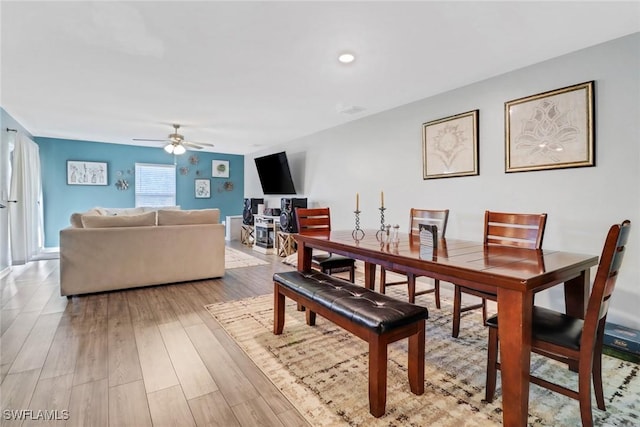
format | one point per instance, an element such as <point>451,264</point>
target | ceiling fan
<point>176,143</point>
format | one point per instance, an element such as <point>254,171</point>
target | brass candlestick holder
<point>381,233</point>
<point>357,232</point>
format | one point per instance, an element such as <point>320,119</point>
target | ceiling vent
<point>350,109</point>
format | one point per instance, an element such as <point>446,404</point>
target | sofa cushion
<point>76,218</point>
<point>102,221</point>
<point>188,217</point>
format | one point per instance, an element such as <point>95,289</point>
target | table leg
<point>576,298</point>
<point>369,275</point>
<point>514,320</point>
<point>304,262</point>
<point>304,257</point>
<point>576,294</point>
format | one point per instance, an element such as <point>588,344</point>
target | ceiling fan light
<point>168,148</point>
<point>346,57</point>
<point>179,150</point>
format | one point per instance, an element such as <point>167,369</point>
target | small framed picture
<point>203,188</point>
<point>550,130</point>
<point>86,173</point>
<point>450,146</point>
<point>220,168</point>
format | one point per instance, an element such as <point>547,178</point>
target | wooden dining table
<point>516,274</point>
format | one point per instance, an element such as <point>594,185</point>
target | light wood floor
<point>149,356</point>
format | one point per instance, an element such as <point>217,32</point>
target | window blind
<point>155,185</point>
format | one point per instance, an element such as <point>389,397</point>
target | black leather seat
<point>552,326</point>
<point>360,305</point>
<point>333,263</point>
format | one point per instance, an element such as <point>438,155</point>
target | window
<point>155,185</point>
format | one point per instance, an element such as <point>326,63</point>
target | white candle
<point>382,199</point>
<point>357,201</point>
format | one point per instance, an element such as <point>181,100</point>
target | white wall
<point>384,152</point>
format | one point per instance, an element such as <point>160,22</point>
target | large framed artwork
<point>86,173</point>
<point>450,146</point>
<point>550,130</point>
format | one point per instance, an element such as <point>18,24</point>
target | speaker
<point>288,222</point>
<point>250,209</point>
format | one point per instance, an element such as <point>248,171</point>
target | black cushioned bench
<point>374,317</point>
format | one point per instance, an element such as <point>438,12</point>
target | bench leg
<point>278,310</point>
<point>416,360</point>
<point>377,375</point>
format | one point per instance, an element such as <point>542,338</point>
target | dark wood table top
<point>459,261</point>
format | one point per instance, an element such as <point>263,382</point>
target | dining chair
<point>505,229</point>
<point>438,218</point>
<point>569,339</point>
<point>318,220</point>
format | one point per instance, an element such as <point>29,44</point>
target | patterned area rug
<point>323,371</point>
<point>234,258</point>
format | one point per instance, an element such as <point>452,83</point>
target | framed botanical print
<point>450,146</point>
<point>550,130</point>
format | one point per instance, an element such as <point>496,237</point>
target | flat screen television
<point>274,174</point>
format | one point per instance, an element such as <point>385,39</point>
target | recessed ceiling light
<point>346,58</point>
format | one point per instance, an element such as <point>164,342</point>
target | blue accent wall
<point>61,200</point>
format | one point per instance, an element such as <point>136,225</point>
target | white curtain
<point>25,214</point>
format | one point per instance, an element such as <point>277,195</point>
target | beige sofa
<point>107,252</point>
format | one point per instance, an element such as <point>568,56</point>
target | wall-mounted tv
<point>274,174</point>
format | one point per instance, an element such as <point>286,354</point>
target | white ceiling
<point>247,75</point>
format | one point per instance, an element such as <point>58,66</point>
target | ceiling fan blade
<point>206,144</point>
<point>176,139</point>
<point>192,145</point>
<point>151,140</point>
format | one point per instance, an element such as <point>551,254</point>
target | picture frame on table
<point>550,130</point>
<point>80,172</point>
<point>202,188</point>
<point>450,146</point>
<point>220,168</point>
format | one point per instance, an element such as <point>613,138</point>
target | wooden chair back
<point>514,229</point>
<point>439,218</point>
<point>605,281</point>
<point>429,235</point>
<point>313,220</point>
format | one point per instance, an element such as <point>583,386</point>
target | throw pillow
<point>122,211</point>
<point>142,220</point>
<point>76,218</point>
<point>189,217</point>
<point>157,208</point>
